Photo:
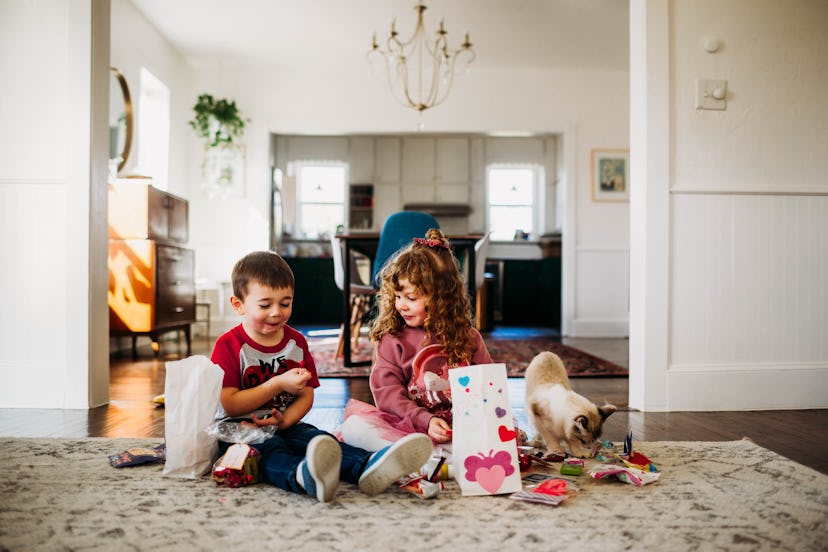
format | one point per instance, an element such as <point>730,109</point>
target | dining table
<point>366,244</point>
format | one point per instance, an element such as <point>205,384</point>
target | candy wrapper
<point>136,456</point>
<point>551,492</point>
<point>238,467</point>
<point>422,487</point>
<point>633,476</point>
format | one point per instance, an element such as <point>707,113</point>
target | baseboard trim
<point>595,327</point>
<point>748,387</point>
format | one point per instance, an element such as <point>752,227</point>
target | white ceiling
<point>583,34</point>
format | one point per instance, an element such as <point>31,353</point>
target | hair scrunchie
<point>430,243</point>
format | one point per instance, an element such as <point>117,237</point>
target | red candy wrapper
<point>238,467</point>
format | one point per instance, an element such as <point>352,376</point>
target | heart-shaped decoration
<point>490,478</point>
<point>463,380</point>
<point>500,412</point>
<point>506,434</point>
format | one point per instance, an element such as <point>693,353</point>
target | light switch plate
<point>711,94</point>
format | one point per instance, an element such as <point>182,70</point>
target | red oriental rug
<point>516,353</point>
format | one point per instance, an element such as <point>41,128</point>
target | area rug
<point>63,494</point>
<point>516,353</point>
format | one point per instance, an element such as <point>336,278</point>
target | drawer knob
<point>179,309</point>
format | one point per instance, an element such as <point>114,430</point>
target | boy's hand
<point>294,380</point>
<point>439,430</point>
<point>275,419</point>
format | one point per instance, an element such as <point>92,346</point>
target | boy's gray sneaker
<point>320,469</point>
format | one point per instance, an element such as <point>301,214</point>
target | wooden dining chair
<point>360,295</point>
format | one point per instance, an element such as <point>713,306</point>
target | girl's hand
<point>439,430</point>
<point>275,419</point>
<point>294,380</point>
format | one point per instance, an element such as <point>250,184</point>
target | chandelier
<point>421,71</point>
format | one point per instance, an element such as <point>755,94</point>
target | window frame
<point>298,168</point>
<point>536,203</point>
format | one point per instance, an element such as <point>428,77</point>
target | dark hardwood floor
<point>796,434</point>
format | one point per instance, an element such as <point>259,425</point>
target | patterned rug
<point>62,494</point>
<point>516,353</point>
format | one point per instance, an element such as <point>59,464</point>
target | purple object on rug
<point>515,353</point>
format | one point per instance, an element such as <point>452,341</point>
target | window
<point>320,198</point>
<point>512,193</point>
<point>153,129</point>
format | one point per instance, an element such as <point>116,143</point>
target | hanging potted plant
<point>219,123</point>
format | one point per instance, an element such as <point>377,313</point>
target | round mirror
<point>120,120</point>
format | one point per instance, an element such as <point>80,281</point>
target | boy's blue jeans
<point>282,454</point>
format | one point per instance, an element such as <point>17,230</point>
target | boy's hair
<point>430,266</point>
<point>264,267</point>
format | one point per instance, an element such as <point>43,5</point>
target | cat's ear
<point>606,410</point>
<point>582,421</point>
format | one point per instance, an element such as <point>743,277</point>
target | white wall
<point>588,108</point>
<point>136,44</point>
<point>54,146</point>
<point>735,280</point>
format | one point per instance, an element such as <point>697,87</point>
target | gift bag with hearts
<point>484,443</point>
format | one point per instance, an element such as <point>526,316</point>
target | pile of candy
<point>630,467</point>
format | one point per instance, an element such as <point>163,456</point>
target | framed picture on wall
<point>610,174</point>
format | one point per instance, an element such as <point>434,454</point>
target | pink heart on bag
<point>490,478</point>
<point>506,434</point>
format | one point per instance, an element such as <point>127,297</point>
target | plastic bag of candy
<point>237,430</point>
<point>237,467</point>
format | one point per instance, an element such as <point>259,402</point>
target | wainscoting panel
<point>602,300</point>
<point>750,289</point>
<point>33,219</point>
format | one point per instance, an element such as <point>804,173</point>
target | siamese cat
<point>561,416</point>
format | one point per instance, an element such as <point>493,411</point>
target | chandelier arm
<point>440,96</point>
<point>436,69</point>
<point>399,91</point>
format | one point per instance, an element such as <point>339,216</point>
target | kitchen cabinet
<point>317,299</point>
<point>531,292</point>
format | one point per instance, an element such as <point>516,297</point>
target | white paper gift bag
<point>191,399</point>
<point>484,442</point>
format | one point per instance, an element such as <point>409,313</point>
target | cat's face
<point>586,428</point>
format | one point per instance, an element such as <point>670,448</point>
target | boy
<point>269,377</point>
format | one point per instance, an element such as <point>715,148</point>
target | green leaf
<point>217,121</point>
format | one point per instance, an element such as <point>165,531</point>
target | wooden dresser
<point>151,274</point>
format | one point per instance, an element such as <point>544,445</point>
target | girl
<point>423,329</point>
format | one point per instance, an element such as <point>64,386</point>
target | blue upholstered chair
<point>398,231</point>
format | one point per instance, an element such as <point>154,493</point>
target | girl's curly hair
<point>430,266</point>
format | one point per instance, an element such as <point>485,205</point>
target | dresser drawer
<point>173,307</point>
<point>175,285</point>
<point>152,285</point>
<point>175,266</point>
<point>138,210</point>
